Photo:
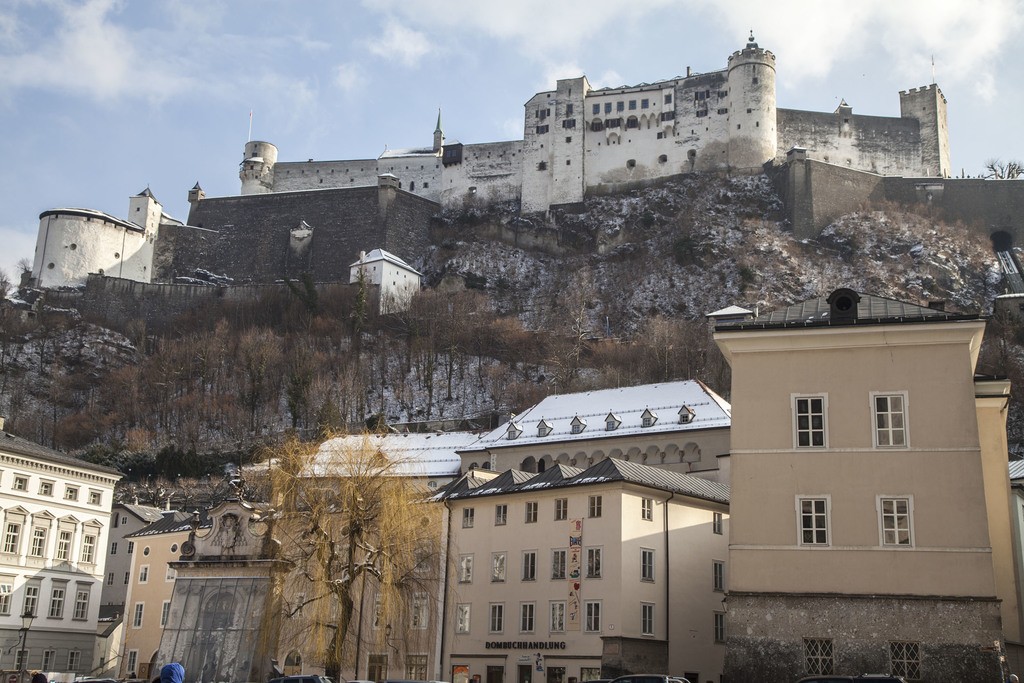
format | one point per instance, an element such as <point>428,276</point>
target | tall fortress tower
<point>752,114</point>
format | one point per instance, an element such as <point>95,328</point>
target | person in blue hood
<point>172,673</point>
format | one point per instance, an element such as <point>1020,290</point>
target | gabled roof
<point>381,255</point>
<point>172,521</point>
<point>146,513</point>
<point>871,310</point>
<point>627,403</point>
<point>432,454</point>
<point>9,443</point>
<point>609,470</point>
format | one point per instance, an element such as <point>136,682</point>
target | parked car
<point>648,678</point>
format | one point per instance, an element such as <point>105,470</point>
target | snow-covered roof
<point>628,404</point>
<point>415,455</point>
<point>1016,469</point>
<point>93,213</point>
<point>15,445</point>
<point>730,311</point>
<point>409,152</point>
<point>382,255</point>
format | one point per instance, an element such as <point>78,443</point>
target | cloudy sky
<point>102,98</point>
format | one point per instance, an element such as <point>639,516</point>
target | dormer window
<point>543,428</point>
<point>685,415</point>
<point>514,431</point>
<point>611,422</point>
<point>648,418</point>
<point>578,425</point>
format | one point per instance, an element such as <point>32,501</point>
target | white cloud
<point>349,77</point>
<point>18,243</point>
<point>609,79</point>
<point>555,71</point>
<point>513,128</point>
<point>401,44</point>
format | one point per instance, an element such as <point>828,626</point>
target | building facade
<point>56,520</point>
<point>396,281</point>
<point>576,574</point>
<point>869,494</point>
<point>125,519</point>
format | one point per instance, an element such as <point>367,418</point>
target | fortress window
<point>542,166</point>
<point>49,266</point>
<point>645,103</point>
<point>756,81</point>
<point>698,96</point>
<point>612,123</point>
<point>738,126</point>
<point>597,108</point>
<point>412,185</point>
<point>661,135</point>
<point>568,162</point>
<point>632,122</point>
<point>607,107</point>
<point>663,158</point>
<point>668,98</point>
<point>620,106</point>
<point>631,163</point>
<point>749,110</point>
<point>568,138</point>
<point>569,123</point>
<point>568,110</point>
<point>722,94</point>
<point>669,115</point>
<point>541,130</point>
<point>426,185</point>
<point>701,113</point>
<point>632,105</point>
<point>597,125</point>
<point>723,111</point>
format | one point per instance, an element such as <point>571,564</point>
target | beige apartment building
<point>870,504</point>
<point>679,426</point>
<point>151,585</point>
<point>575,574</point>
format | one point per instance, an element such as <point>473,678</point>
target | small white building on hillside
<point>397,280</point>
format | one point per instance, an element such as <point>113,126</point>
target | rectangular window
<point>716,522</point>
<point>12,538</point>
<point>74,660</point>
<point>607,107</point>
<point>619,106</point>
<point>170,574</point>
<point>500,515</point>
<point>88,548</point>
<point>592,610</point>
<point>557,612</point>
<point>127,577</point>
<point>497,567</point>
<point>31,599</point>
<point>113,548</point>
<point>38,547</point>
<point>140,608</point>
<point>718,575</point>
<point>645,103</point>
<point>467,518</point>
<point>569,123</point>
<point>64,537</point>
<point>905,660</point>
<point>597,109</point>
<point>890,421</point>
<point>810,421</point>
<point>561,509</point>
<point>593,563</point>
<point>530,565</point>
<point>110,579</point>
<point>95,497</point>
<point>57,602</point>
<point>416,667</point>
<point>526,617</point>
<point>6,591</point>
<point>542,129</point>
<point>462,614</point>
<point>719,627</point>
<point>594,506</point>
<point>20,484</point>
<point>497,624</point>
<point>568,109</point>
<point>632,105</point>
<point>813,521</point>
<point>896,527</point>
<point>558,564</point>
<point>46,488</point>
<point>81,603</point>
<point>646,564</point>
<point>133,660</point>
<point>669,115</point>
<point>419,617</point>
<point>531,512</point>
<point>144,574</point>
<point>647,509</point>
<point>70,493</point>
<point>668,98</point>
<point>49,659</point>
<point>465,569</point>
<point>818,656</point>
<point>647,619</point>
<point>131,547</point>
<point>165,612</point>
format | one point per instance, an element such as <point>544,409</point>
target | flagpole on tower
<point>933,69</point>
<point>250,126</point>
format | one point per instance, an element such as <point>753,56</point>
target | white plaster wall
<point>752,109</point>
<point>318,175</point>
<point>68,248</point>
<point>419,174</point>
<point>489,173</point>
<point>537,153</point>
<point>397,287</point>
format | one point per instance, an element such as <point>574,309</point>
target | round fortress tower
<point>752,115</point>
<point>257,168</point>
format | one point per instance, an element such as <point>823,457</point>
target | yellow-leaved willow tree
<point>365,543</point>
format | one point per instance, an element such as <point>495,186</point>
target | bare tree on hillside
<point>995,169</point>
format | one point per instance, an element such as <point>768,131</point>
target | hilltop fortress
<point>315,217</point>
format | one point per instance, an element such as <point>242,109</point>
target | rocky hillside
<point>613,292</point>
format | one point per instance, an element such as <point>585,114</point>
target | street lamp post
<point>26,624</point>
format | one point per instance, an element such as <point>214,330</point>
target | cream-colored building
<point>870,512</point>
<point>678,426</point>
<point>148,601</point>
<point>570,575</point>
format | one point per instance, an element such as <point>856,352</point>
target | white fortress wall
<point>566,138</point>
<point>75,242</point>
<point>419,173</point>
<point>320,175</point>
<point>537,152</point>
<point>489,173</point>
